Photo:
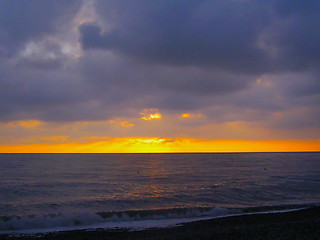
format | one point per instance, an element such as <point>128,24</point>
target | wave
<point>127,219</point>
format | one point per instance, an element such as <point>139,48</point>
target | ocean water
<point>51,192</point>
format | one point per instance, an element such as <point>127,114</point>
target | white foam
<point>142,219</point>
<point>25,224</point>
<point>135,224</point>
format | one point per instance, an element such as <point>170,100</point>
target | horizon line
<point>225,152</point>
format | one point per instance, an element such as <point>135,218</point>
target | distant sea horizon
<point>159,152</point>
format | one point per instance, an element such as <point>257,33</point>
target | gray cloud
<point>44,54</point>
<point>22,20</point>
<point>177,56</point>
<point>120,80</point>
<point>206,33</point>
<point>238,36</point>
<point>30,93</point>
<point>295,34</point>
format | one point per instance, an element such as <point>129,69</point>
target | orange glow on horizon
<point>161,145</point>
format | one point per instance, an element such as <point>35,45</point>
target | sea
<point>58,192</point>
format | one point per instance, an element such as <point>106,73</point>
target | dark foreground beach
<point>302,224</point>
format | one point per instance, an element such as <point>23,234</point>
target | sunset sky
<point>159,76</point>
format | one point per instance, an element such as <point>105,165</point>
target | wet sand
<point>302,224</point>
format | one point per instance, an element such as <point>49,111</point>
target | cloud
<point>126,124</point>
<point>232,61</point>
<point>238,36</point>
<point>191,115</point>
<point>44,54</point>
<point>293,35</point>
<point>199,33</point>
<point>150,114</point>
<point>22,21</point>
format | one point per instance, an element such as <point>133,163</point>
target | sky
<point>159,76</point>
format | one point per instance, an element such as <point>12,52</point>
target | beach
<point>301,224</point>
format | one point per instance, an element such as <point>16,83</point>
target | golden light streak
<point>126,124</point>
<point>122,122</point>
<point>148,140</point>
<point>185,115</point>
<point>152,116</point>
<point>160,145</point>
<point>189,115</point>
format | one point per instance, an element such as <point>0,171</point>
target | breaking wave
<point>125,219</point>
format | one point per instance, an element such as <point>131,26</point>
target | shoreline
<point>300,224</point>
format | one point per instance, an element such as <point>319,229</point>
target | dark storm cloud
<point>234,35</point>
<point>296,7</point>
<point>31,93</point>
<point>120,80</point>
<point>296,34</point>
<point>218,38</point>
<point>177,56</point>
<point>26,92</point>
<point>305,85</point>
<point>206,33</point>
<point>22,20</point>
